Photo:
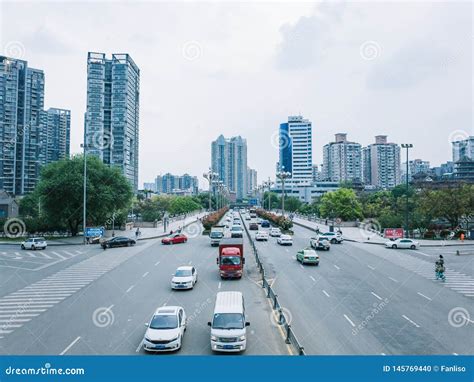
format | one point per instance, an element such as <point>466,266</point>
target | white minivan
<point>228,326</point>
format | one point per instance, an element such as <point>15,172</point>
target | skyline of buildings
<point>112,112</point>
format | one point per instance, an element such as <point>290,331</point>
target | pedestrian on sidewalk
<point>137,233</point>
<point>462,237</point>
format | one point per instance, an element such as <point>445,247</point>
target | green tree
<point>292,203</point>
<point>342,203</point>
<point>60,190</point>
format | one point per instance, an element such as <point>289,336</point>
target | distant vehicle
<point>247,217</point>
<point>175,238</point>
<point>165,330</point>
<point>285,240</point>
<point>118,241</point>
<point>34,243</point>
<point>259,221</point>
<point>228,325</point>
<point>253,226</point>
<point>236,231</point>
<point>334,237</point>
<point>261,236</point>
<point>275,232</point>
<point>228,218</point>
<point>184,278</point>
<point>307,256</point>
<point>402,243</point>
<point>231,258</point>
<point>217,233</point>
<point>320,243</point>
<point>265,224</point>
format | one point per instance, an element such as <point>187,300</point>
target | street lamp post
<point>210,176</point>
<point>268,184</point>
<point>406,146</point>
<point>283,175</point>
<point>84,191</point>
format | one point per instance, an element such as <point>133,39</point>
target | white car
<point>34,243</point>
<point>402,243</point>
<point>228,219</point>
<point>285,240</point>
<point>320,243</point>
<point>275,232</point>
<point>184,278</point>
<point>165,330</point>
<point>261,235</point>
<point>247,217</point>
<point>333,237</point>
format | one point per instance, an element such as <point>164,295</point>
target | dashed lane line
<point>70,346</point>
<point>410,321</point>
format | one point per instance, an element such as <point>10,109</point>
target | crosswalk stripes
<point>456,281</point>
<point>21,306</point>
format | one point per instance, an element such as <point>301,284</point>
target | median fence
<point>290,337</point>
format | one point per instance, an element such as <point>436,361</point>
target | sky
<point>403,69</point>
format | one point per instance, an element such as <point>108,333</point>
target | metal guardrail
<point>290,337</point>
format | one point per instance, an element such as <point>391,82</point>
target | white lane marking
<point>369,266</point>
<point>394,280</point>
<point>377,296</point>
<point>78,252</point>
<point>145,274</point>
<point>18,315</point>
<point>326,293</point>
<point>301,265</point>
<point>157,263</point>
<point>349,320</point>
<point>12,319</point>
<point>410,321</point>
<point>129,289</point>
<point>423,254</point>
<point>312,278</point>
<point>422,295</point>
<point>139,346</point>
<point>69,253</point>
<point>70,346</point>
<point>335,266</point>
<point>190,262</point>
<point>219,286</point>
<point>45,255</point>
<point>58,255</point>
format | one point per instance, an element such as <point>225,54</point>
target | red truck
<point>231,258</point>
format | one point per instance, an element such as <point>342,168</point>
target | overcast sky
<point>403,69</point>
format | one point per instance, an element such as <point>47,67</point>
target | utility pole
<point>210,176</point>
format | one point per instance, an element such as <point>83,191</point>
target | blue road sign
<point>94,231</point>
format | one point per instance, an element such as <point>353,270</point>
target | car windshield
<point>230,260</point>
<point>162,321</point>
<point>183,273</point>
<point>216,234</point>
<point>236,229</point>
<point>228,321</point>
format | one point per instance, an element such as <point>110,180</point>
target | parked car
<point>34,243</point>
<point>320,243</point>
<point>334,237</point>
<point>175,238</point>
<point>402,243</point>
<point>275,232</point>
<point>261,235</point>
<point>307,256</point>
<point>184,278</point>
<point>265,224</point>
<point>236,231</point>
<point>165,330</point>
<point>253,226</point>
<point>285,240</point>
<point>118,241</point>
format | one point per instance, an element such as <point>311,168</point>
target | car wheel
<point>128,244</point>
<point>33,247</point>
<point>333,241</point>
<point>22,246</point>
<point>394,246</point>
<point>413,247</point>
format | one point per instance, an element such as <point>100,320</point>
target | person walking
<point>439,269</point>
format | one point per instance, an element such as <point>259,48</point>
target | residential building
<point>112,116</point>
<point>176,184</point>
<point>149,186</point>
<point>415,167</point>
<point>445,169</point>
<point>55,135</point>
<point>316,173</point>
<point>229,161</point>
<point>251,181</point>
<point>342,160</point>
<point>306,193</point>
<point>8,206</point>
<point>296,150</point>
<point>381,163</point>
<point>21,107</point>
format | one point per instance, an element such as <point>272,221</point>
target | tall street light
<point>406,146</point>
<point>85,146</point>
<point>283,175</point>
<point>268,184</point>
<point>210,176</point>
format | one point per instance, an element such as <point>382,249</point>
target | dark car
<point>253,226</point>
<point>175,239</point>
<point>265,224</point>
<point>119,241</point>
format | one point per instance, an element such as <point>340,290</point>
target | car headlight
<point>213,338</point>
<point>174,339</point>
<point>242,338</point>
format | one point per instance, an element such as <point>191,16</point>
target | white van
<point>228,326</point>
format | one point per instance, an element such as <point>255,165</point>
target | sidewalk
<point>361,235</point>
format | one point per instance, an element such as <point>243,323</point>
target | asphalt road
<point>365,299</point>
<point>97,302</point>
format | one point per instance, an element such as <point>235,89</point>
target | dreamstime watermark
<point>192,50</point>
<point>458,135</point>
<point>103,317</point>
<point>193,229</point>
<point>14,49</point>
<point>458,317</point>
<point>200,307</point>
<point>370,50</point>
<point>377,308</point>
<point>370,228</point>
<point>102,140</point>
<point>280,318</point>
<point>280,141</point>
<point>14,227</point>
<point>13,318</point>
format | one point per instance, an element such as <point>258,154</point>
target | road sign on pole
<point>95,231</point>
